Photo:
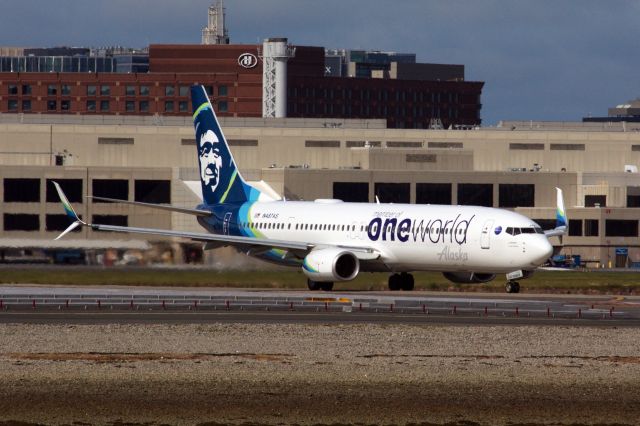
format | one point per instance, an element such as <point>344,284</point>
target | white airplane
<point>334,241</point>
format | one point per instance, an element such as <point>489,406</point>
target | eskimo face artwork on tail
<point>210,153</point>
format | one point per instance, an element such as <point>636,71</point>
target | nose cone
<point>540,251</point>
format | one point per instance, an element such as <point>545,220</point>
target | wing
<point>300,249</point>
<point>196,212</point>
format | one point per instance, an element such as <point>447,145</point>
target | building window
<point>130,90</point>
<point>65,90</point>
<point>209,90</point>
<point>91,106</point>
<point>591,228</point>
<point>144,106</point>
<point>58,222</point>
<point>223,106</point>
<point>104,106</point>
<point>91,90</point>
<point>153,191</point>
<point>184,90</point>
<point>13,104</point>
<point>130,106</point>
<point>222,90</point>
<point>52,90</point>
<point>115,141</point>
<point>144,90</point>
<point>475,194</point>
<point>433,193</point>
<point>72,189</point>
<point>21,190</point>
<point>13,89</point>
<point>592,200</point>
<point>352,192</point>
<point>322,144</point>
<point>169,91</point>
<point>52,105</point>
<point>26,89</point>
<point>110,188</point>
<point>168,106</point>
<point>516,195</point>
<point>183,106</point>
<point>567,147</point>
<point>111,219</point>
<point>21,222</point>
<point>392,192</point>
<point>621,228</point>
<point>65,105</point>
<point>26,105</point>
<point>575,228</point>
<point>105,90</point>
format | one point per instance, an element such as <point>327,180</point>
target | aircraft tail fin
<point>219,175</point>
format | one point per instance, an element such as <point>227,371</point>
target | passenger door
<point>485,235</point>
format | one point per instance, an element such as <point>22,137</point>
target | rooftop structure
<point>215,32</point>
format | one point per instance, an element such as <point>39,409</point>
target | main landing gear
<point>403,281</point>
<point>317,285</point>
<point>512,287</point>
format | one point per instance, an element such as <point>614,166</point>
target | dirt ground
<point>318,374</point>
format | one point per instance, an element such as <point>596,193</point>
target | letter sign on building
<point>247,60</point>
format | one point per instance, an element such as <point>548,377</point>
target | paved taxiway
<point>92,305</point>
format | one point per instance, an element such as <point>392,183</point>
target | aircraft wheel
<point>395,282</point>
<point>326,286</point>
<point>313,285</point>
<point>512,287</point>
<point>407,282</point>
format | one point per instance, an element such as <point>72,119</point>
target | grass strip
<point>584,282</point>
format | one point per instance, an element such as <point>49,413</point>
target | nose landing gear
<point>512,287</point>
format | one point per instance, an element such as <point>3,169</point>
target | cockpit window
<point>525,230</point>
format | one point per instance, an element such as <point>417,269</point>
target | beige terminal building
<point>516,165</point>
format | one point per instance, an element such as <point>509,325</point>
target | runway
<point>92,305</point>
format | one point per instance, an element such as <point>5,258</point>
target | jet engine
<point>331,264</point>
<point>468,277</point>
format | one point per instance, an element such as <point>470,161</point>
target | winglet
<point>561,218</point>
<point>561,215</point>
<point>68,209</point>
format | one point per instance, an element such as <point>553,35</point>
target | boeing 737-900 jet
<point>334,241</point>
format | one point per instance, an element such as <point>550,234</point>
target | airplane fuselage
<point>408,237</point>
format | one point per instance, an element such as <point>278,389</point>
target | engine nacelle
<point>468,277</point>
<point>331,264</point>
